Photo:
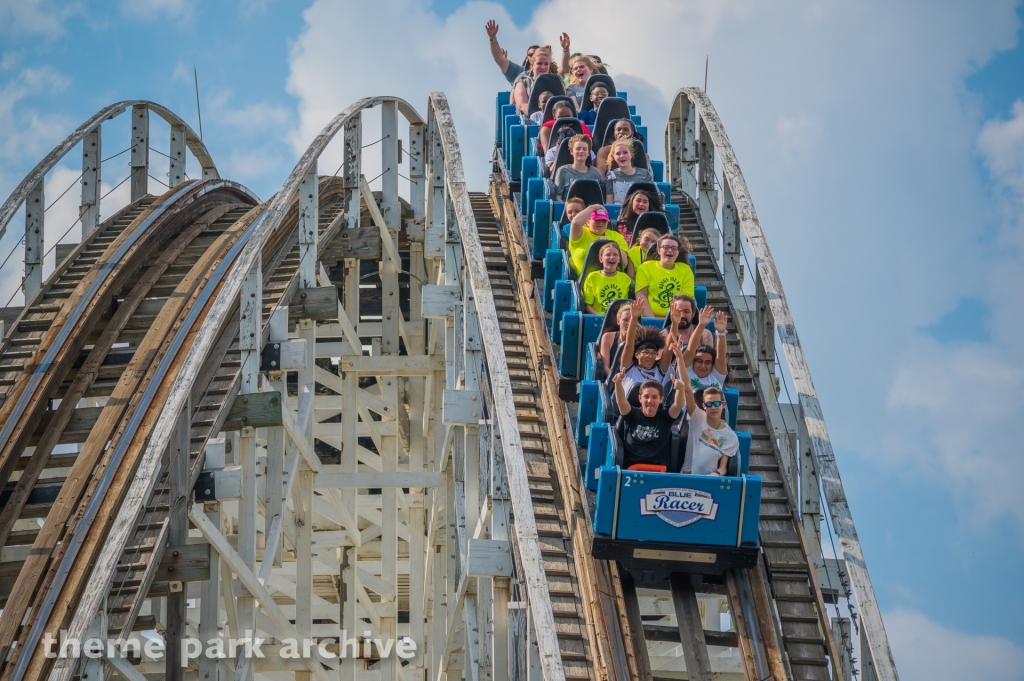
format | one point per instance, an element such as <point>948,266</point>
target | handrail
<point>20,192</point>
<point>501,386</point>
<point>738,199</point>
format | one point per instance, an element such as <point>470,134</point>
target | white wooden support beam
<point>732,244</point>
<point>92,163</point>
<point>765,340</point>
<point>177,162</point>
<point>245,604</point>
<point>810,497</point>
<point>434,242</point>
<point>707,201</point>
<point>417,182</point>
<point>140,152</point>
<point>177,535</point>
<point>309,218</point>
<point>35,207</point>
<point>252,584</point>
<point>352,169</point>
<point>304,556</point>
<point>842,634</point>
<point>688,152</point>
<point>389,205</point>
<point>92,667</point>
<point>274,497</point>
<point>501,587</point>
<point>209,602</point>
<point>250,334</point>
<point>125,668</point>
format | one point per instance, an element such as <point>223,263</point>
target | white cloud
<point>35,17</point>
<point>154,9</point>
<point>927,651</point>
<point>966,398</point>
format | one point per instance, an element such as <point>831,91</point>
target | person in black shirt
<point>648,434</point>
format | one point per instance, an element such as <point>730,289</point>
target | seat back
<point>599,79</point>
<point>589,190</point>
<point>549,108</point>
<point>611,108</point>
<point>649,220</point>
<point>546,82</point>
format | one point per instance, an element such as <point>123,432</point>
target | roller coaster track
<point>335,415</point>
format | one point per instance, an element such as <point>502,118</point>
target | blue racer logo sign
<point>679,507</point>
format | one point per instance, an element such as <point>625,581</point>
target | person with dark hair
<point>658,281</point>
<point>642,357</point>
<point>597,94</point>
<point>562,109</point>
<point>637,203</point>
<point>711,442</point>
<point>648,441</point>
<point>682,317</point>
<point>537,117</point>
<point>707,366</point>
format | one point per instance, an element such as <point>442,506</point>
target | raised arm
<point>576,228</point>
<point>706,314</point>
<point>626,358</point>
<point>620,395</point>
<point>721,347</point>
<point>497,53</point>
<point>666,356</point>
<point>564,66</point>
<point>684,396</point>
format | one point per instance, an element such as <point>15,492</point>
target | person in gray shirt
<point>580,169</point>
<point>621,172</point>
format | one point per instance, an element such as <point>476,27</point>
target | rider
<point>611,283</point>
<point>657,281</point>
<point>708,367</point>
<point>711,442</point>
<point>648,441</point>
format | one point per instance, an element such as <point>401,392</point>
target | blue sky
<point>883,146</point>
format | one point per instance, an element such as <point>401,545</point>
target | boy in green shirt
<point>601,288</point>
<point>657,282</point>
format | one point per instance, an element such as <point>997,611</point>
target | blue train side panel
<point>664,522</point>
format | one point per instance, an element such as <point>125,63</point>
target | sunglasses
<point>716,403</point>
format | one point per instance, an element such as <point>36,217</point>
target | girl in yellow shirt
<point>601,288</point>
<point>658,281</point>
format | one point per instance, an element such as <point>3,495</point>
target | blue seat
<point>610,109</point>
<point>548,82</point>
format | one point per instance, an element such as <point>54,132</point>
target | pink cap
<point>600,214</point>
